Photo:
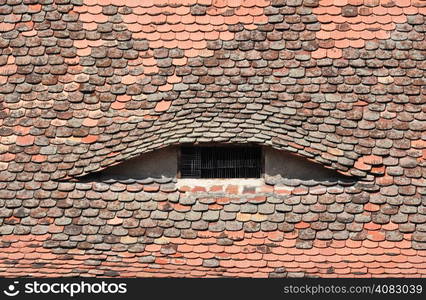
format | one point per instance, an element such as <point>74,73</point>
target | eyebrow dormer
<point>219,161</point>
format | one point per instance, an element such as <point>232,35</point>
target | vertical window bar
<point>220,162</point>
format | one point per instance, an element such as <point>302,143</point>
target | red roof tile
<point>338,82</point>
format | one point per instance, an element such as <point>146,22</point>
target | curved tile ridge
<point>68,113</point>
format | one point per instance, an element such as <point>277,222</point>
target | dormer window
<point>220,162</point>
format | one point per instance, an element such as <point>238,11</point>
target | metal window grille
<point>220,162</point>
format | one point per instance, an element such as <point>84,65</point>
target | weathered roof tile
<point>89,84</point>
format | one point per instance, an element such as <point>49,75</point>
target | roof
<point>87,84</point>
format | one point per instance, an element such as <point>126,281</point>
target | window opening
<point>220,162</point>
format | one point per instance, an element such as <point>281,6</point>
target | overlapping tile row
<point>123,96</point>
<point>353,23</point>
<point>87,84</point>
<point>149,228</point>
<point>257,254</point>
